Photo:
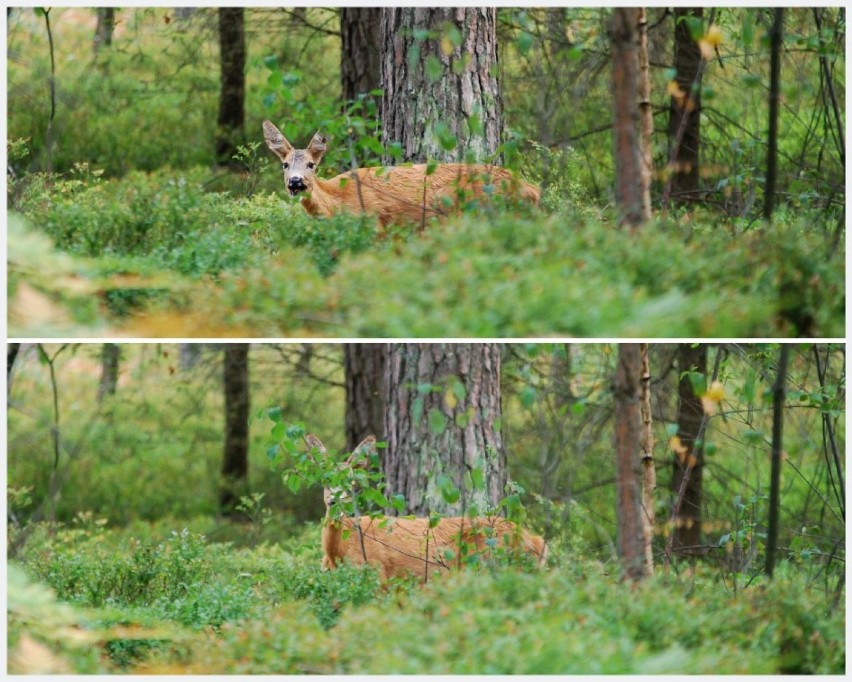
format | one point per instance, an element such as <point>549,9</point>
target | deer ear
<point>365,449</point>
<point>276,141</point>
<point>315,443</point>
<point>318,145</point>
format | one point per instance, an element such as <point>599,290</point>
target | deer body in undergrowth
<point>395,194</point>
<point>416,546</point>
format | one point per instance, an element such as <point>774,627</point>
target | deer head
<point>299,165</point>
<point>359,459</point>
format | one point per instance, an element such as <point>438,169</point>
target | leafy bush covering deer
<point>402,546</point>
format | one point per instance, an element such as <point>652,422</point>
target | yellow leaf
<point>716,391</point>
<point>446,46</point>
<point>713,36</point>
<point>709,406</point>
<point>676,446</point>
<point>450,399</point>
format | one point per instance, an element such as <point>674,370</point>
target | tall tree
<point>629,178</point>
<point>775,37</point>
<point>232,58</point>
<point>646,112</point>
<point>443,419</point>
<point>688,466</point>
<point>439,75</point>
<point>684,130</point>
<point>628,432</point>
<point>237,401</point>
<point>360,60</point>
<point>110,356</point>
<point>649,472</point>
<point>364,374</point>
<point>778,398</point>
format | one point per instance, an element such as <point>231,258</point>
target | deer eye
<point>310,164</point>
<point>285,165</point>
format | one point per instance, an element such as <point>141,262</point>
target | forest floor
<point>89,599</point>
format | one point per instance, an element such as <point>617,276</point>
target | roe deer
<point>394,194</point>
<point>400,546</point>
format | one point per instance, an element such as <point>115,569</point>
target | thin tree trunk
<point>232,56</point>
<point>646,113</point>
<point>687,523</point>
<point>649,472</point>
<point>631,535</point>
<point>364,371</point>
<point>237,404</point>
<point>629,192</point>
<point>360,59</point>
<point>437,84</point>
<point>685,111</point>
<point>110,355</point>
<point>443,419</point>
<point>104,29</point>
<point>778,397</point>
<point>775,37</point>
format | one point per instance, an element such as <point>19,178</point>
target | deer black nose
<point>296,184</point>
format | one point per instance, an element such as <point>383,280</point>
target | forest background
<point>143,203</point>
<point>124,499</point>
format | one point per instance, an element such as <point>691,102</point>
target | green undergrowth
<point>90,599</point>
<point>164,257</point>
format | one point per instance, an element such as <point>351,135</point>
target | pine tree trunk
<point>360,60</point>
<point>432,83</point>
<point>443,418</point>
<point>687,524</point>
<point>631,534</point>
<point>364,370</point>
<point>232,55</point>
<point>629,191</point>
<point>685,110</point>
<point>237,403</point>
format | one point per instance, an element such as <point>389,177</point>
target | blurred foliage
<point>193,261</point>
<point>266,611</point>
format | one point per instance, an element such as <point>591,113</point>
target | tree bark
<point>775,37</point>
<point>649,472</point>
<point>232,56</point>
<point>631,534</point>
<point>360,59</point>
<point>237,403</point>
<point>684,131</point>
<point>687,524</point>
<point>110,356</point>
<point>104,28</point>
<point>629,192</point>
<point>646,113</point>
<point>364,371</point>
<point>778,398</point>
<point>447,81</point>
<point>443,418</point>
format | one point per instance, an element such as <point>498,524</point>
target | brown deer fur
<point>403,546</point>
<point>394,194</point>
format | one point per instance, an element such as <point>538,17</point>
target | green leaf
<point>451,494</point>
<point>433,68</point>
<point>431,166</point>
<point>527,396</point>
<point>525,42</point>
<point>417,409</point>
<point>398,502</point>
<point>434,519</point>
<point>477,478</point>
<point>671,429</point>
<point>437,421</point>
<point>294,483</point>
<point>413,56</point>
<point>271,61</point>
